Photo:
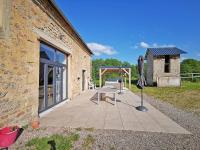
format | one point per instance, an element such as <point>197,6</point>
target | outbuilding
<point>163,66</point>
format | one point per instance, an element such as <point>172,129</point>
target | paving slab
<point>84,111</point>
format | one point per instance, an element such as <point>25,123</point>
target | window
<point>60,57</point>
<point>47,52</point>
<point>51,54</point>
<point>167,64</point>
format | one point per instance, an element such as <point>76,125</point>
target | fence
<point>191,76</point>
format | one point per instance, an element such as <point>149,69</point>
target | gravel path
<point>128,140</point>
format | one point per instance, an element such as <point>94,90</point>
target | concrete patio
<point>84,112</point>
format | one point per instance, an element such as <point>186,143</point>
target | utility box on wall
<point>163,66</point>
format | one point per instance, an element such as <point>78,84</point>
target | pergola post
<point>100,82</point>
<point>125,81</point>
<point>129,79</point>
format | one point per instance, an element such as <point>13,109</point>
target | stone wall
<point>168,81</point>
<point>19,58</point>
<point>159,65</point>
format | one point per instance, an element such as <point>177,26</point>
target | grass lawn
<point>186,97</point>
<point>57,142</point>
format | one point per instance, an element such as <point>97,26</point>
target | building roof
<point>68,22</point>
<point>165,51</point>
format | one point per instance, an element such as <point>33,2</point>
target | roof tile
<point>165,51</point>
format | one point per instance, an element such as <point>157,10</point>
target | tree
<point>190,66</point>
<point>96,64</point>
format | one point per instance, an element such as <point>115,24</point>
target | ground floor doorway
<point>83,80</point>
<point>52,77</point>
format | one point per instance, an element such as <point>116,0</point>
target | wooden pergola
<point>106,69</point>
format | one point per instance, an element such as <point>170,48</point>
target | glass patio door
<point>52,78</point>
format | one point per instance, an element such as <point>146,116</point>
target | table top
<point>107,90</point>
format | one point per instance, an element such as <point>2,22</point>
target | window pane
<point>60,57</point>
<point>47,52</point>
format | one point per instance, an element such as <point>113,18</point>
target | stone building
<point>43,60</point>
<point>163,66</point>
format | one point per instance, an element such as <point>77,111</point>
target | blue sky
<point>123,29</point>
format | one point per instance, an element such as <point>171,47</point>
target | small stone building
<point>163,66</point>
<point>43,60</point>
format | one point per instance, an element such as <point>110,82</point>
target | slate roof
<point>165,51</point>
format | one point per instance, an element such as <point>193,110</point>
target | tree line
<point>97,63</point>
<point>187,66</point>
<point>190,66</point>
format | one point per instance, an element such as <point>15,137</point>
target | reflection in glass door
<point>50,79</point>
<point>58,84</point>
<point>64,82</point>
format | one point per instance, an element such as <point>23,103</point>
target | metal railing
<point>190,76</point>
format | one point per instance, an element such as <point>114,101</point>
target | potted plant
<point>35,123</point>
<point>8,136</point>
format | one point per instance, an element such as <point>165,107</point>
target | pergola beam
<point>103,70</point>
<point>100,82</point>
<point>125,71</point>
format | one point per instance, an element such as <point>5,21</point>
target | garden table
<point>106,90</point>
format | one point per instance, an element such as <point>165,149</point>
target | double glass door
<point>52,80</point>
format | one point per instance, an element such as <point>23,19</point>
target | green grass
<point>88,142</point>
<point>60,142</point>
<point>78,129</point>
<point>112,148</point>
<point>25,127</point>
<point>186,97</point>
<point>89,129</point>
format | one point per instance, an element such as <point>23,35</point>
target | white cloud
<point>147,45</point>
<point>144,45</point>
<point>99,49</point>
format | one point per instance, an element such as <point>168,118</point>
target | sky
<point>123,29</point>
